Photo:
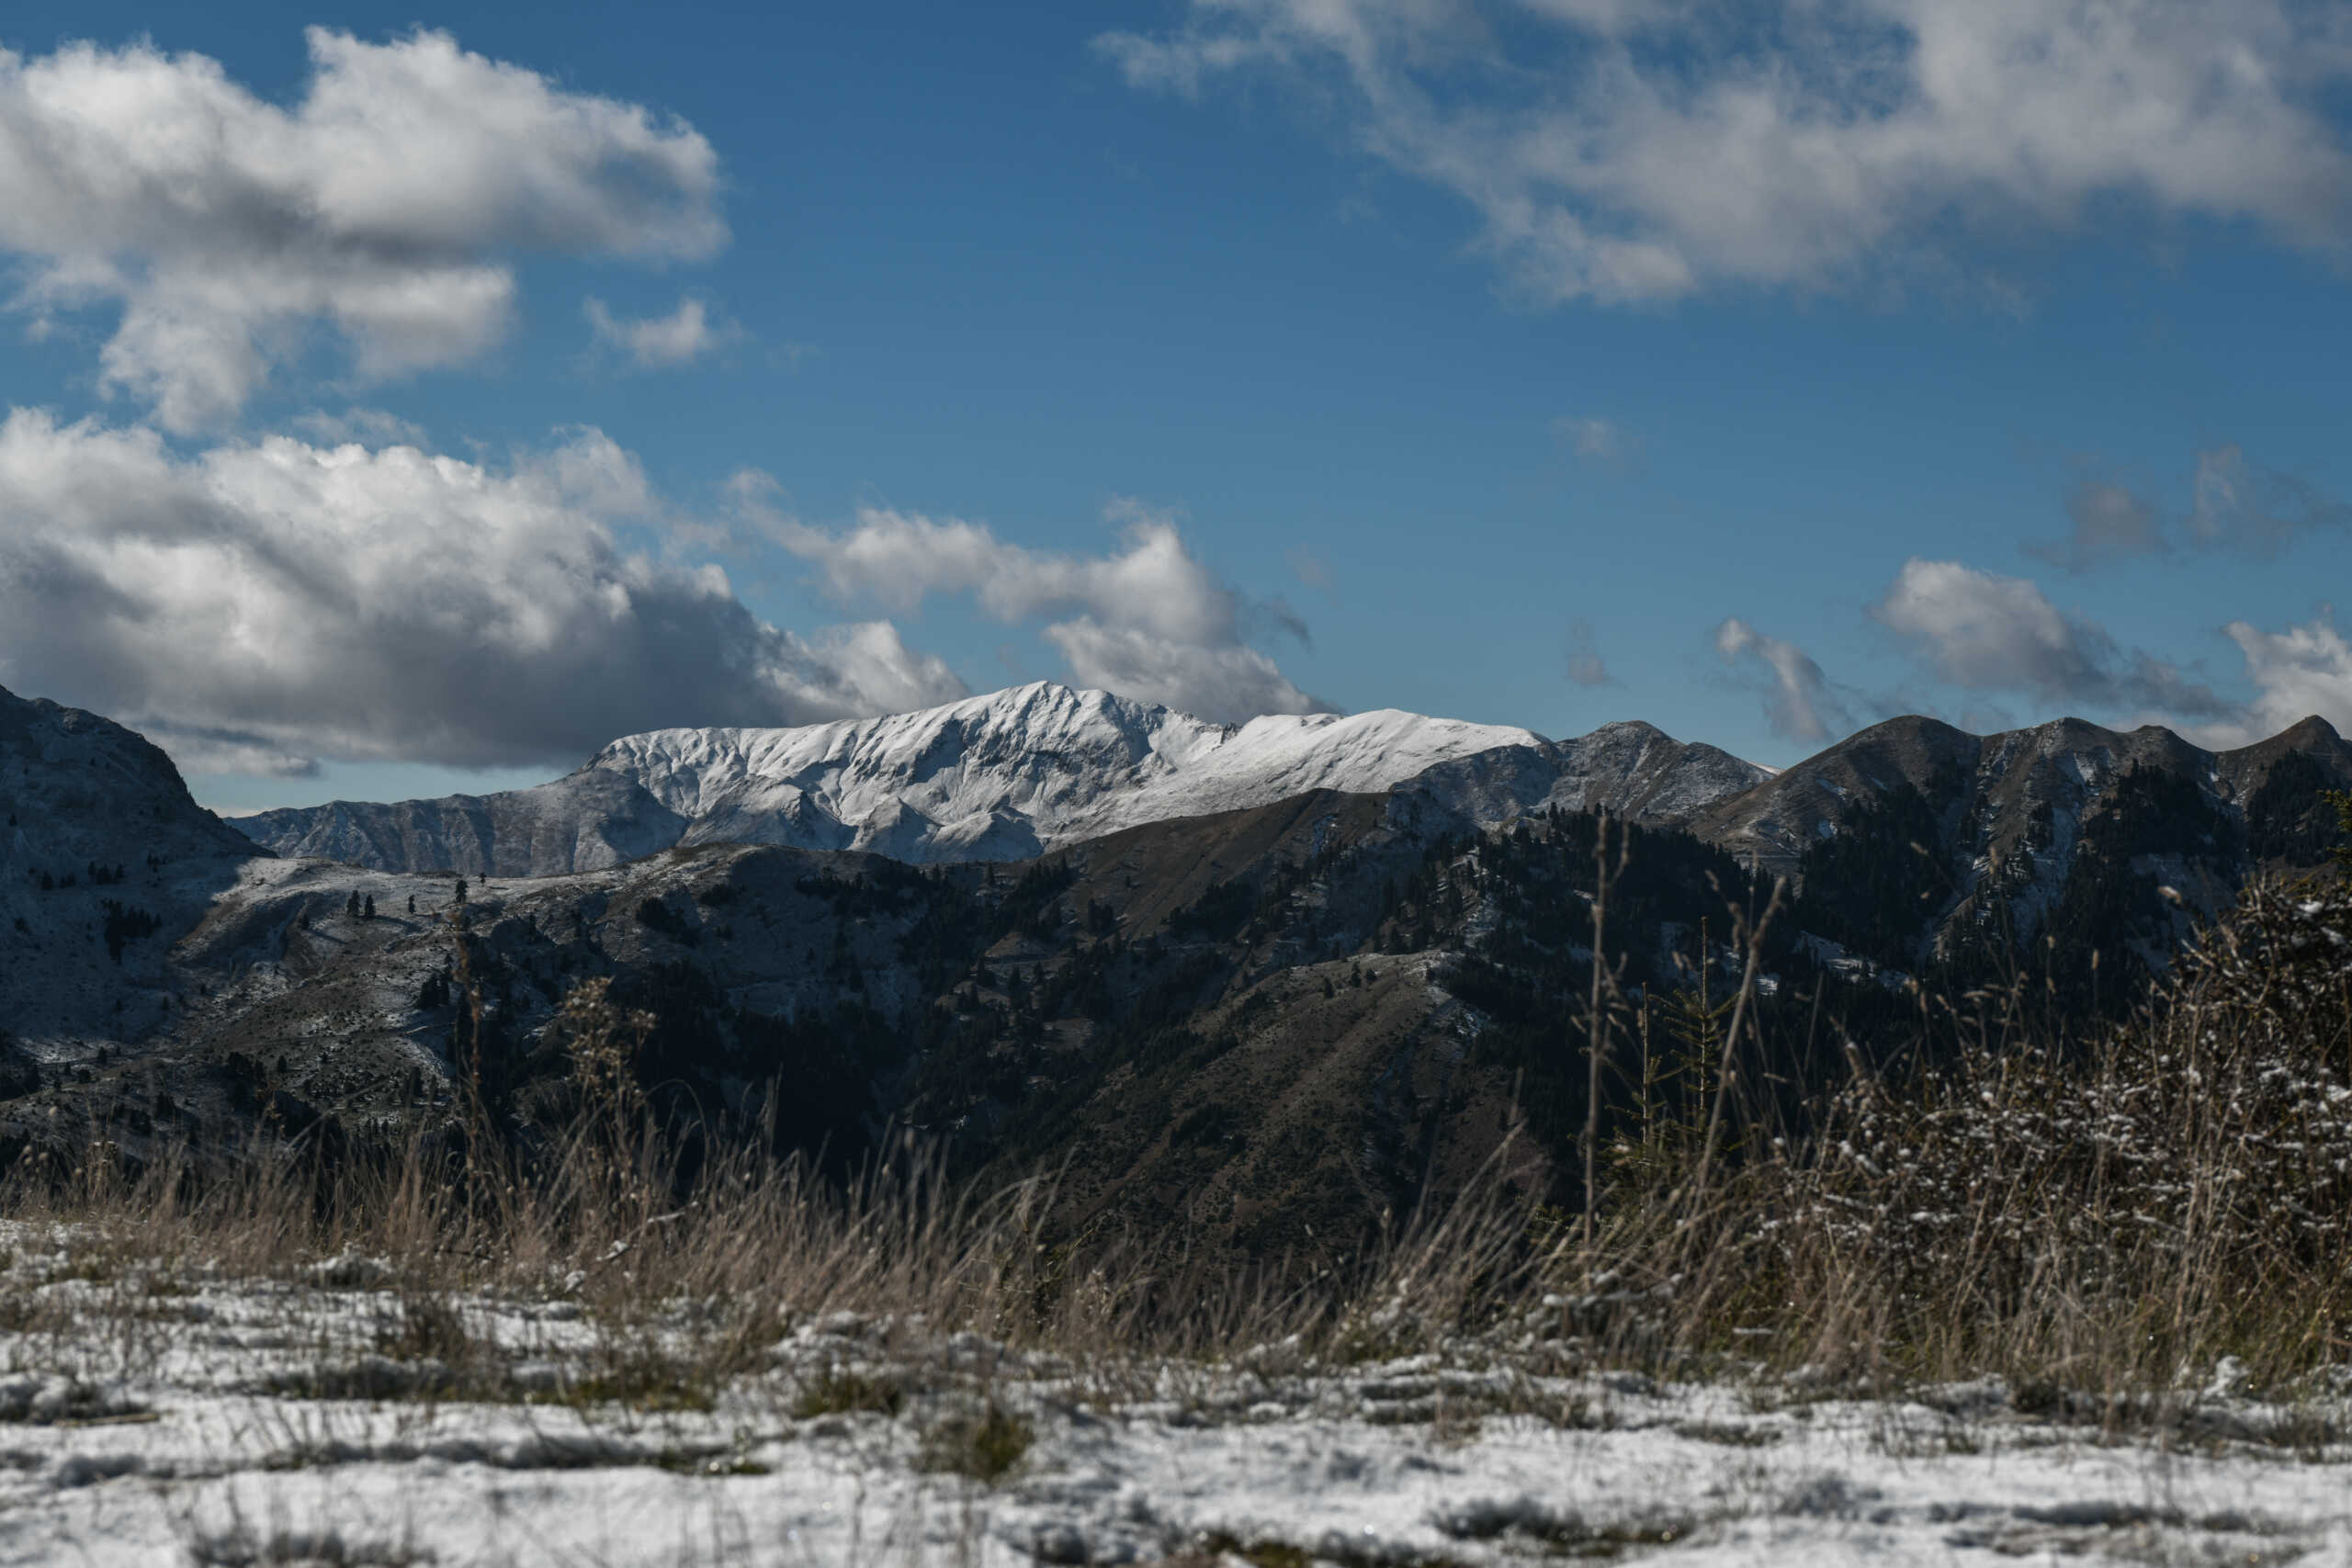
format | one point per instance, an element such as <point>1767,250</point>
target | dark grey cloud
<point>266,605</point>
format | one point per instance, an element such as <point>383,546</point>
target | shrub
<point>2181,1186</point>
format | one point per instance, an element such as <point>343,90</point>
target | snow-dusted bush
<point>2178,1187</point>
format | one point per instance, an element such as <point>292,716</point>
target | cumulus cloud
<point>385,207</point>
<point>262,604</point>
<point>2111,524</point>
<point>660,343</point>
<point>1988,633</point>
<point>1149,621</point>
<point>1800,704</point>
<point>2298,673</point>
<point>1625,151</point>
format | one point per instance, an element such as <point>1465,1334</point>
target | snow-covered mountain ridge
<point>1004,776</point>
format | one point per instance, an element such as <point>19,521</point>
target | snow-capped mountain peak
<point>1014,772</point>
<point>1003,776</point>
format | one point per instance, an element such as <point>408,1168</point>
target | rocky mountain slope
<point>1002,777</point>
<point>103,861</point>
<point>2012,828</point>
<point>1915,842</point>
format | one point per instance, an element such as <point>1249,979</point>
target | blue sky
<point>1545,361</point>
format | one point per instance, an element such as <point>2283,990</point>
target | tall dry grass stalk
<point>2102,1217</point>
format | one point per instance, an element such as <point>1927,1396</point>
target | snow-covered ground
<point>199,1428</point>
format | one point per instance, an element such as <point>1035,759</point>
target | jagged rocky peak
<point>584,822</point>
<point>1634,769</point>
<point>1994,795</point>
<point>1040,745</point>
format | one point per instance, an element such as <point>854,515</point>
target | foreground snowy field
<point>331,1422</point>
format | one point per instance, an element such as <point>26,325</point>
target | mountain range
<point>1268,981</point>
<point>1002,777</point>
<point>2001,819</point>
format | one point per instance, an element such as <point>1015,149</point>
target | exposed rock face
<point>590,820</point>
<point>104,860</point>
<point>75,787</point>
<point>1633,771</point>
<point>1003,777</point>
<point>2006,780</point>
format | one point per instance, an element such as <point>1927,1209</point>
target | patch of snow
<point>187,1456</point>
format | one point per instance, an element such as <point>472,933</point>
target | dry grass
<point>2088,1222</point>
<point>2115,1215</point>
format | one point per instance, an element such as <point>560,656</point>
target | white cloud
<point>372,427</point>
<point>1800,704</point>
<point>1149,621</point>
<point>1636,151</point>
<point>385,205</point>
<point>269,603</point>
<point>660,343</point>
<point>1227,682</point>
<point>1985,632</point>
<point>2303,671</point>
